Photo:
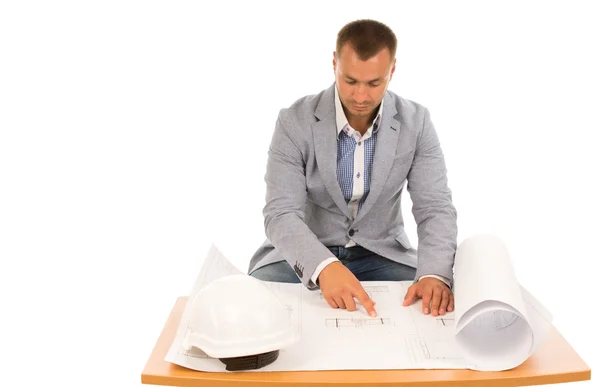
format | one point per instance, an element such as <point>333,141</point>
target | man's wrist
<point>320,267</point>
<point>443,279</point>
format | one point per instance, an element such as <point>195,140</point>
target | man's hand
<point>435,294</point>
<point>339,287</point>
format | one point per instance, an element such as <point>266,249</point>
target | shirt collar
<point>340,117</point>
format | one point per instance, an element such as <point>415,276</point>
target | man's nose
<point>360,94</point>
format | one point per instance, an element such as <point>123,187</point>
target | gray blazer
<point>305,210</point>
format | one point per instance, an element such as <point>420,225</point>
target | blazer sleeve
<point>434,213</point>
<point>286,201</point>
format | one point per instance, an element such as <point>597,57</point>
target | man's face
<point>362,84</point>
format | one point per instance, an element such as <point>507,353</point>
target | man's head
<point>364,62</point>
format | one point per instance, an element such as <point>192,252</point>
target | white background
<point>135,134</point>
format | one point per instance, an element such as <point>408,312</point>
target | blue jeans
<point>364,264</point>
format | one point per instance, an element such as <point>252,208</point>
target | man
<point>338,163</point>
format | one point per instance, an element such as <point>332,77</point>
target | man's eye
<point>374,84</point>
<point>350,82</point>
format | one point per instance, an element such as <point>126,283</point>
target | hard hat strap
<point>251,362</point>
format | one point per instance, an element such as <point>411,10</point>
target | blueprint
<point>490,329</point>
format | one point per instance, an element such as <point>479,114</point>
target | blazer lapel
<point>385,152</point>
<point>325,140</point>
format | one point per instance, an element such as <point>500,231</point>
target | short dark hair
<point>367,37</point>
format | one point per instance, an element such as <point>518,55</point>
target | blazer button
<point>351,232</point>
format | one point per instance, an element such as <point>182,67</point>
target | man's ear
<point>393,69</point>
<point>334,62</point>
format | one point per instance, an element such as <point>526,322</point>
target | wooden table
<point>554,362</point>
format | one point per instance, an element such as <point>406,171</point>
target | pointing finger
<point>367,302</point>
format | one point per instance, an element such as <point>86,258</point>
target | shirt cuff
<point>443,279</point>
<point>320,268</point>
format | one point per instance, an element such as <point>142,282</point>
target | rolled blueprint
<point>498,324</point>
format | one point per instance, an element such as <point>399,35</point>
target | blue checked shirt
<point>355,159</point>
<point>354,165</point>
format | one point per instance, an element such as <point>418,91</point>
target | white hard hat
<point>241,321</point>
